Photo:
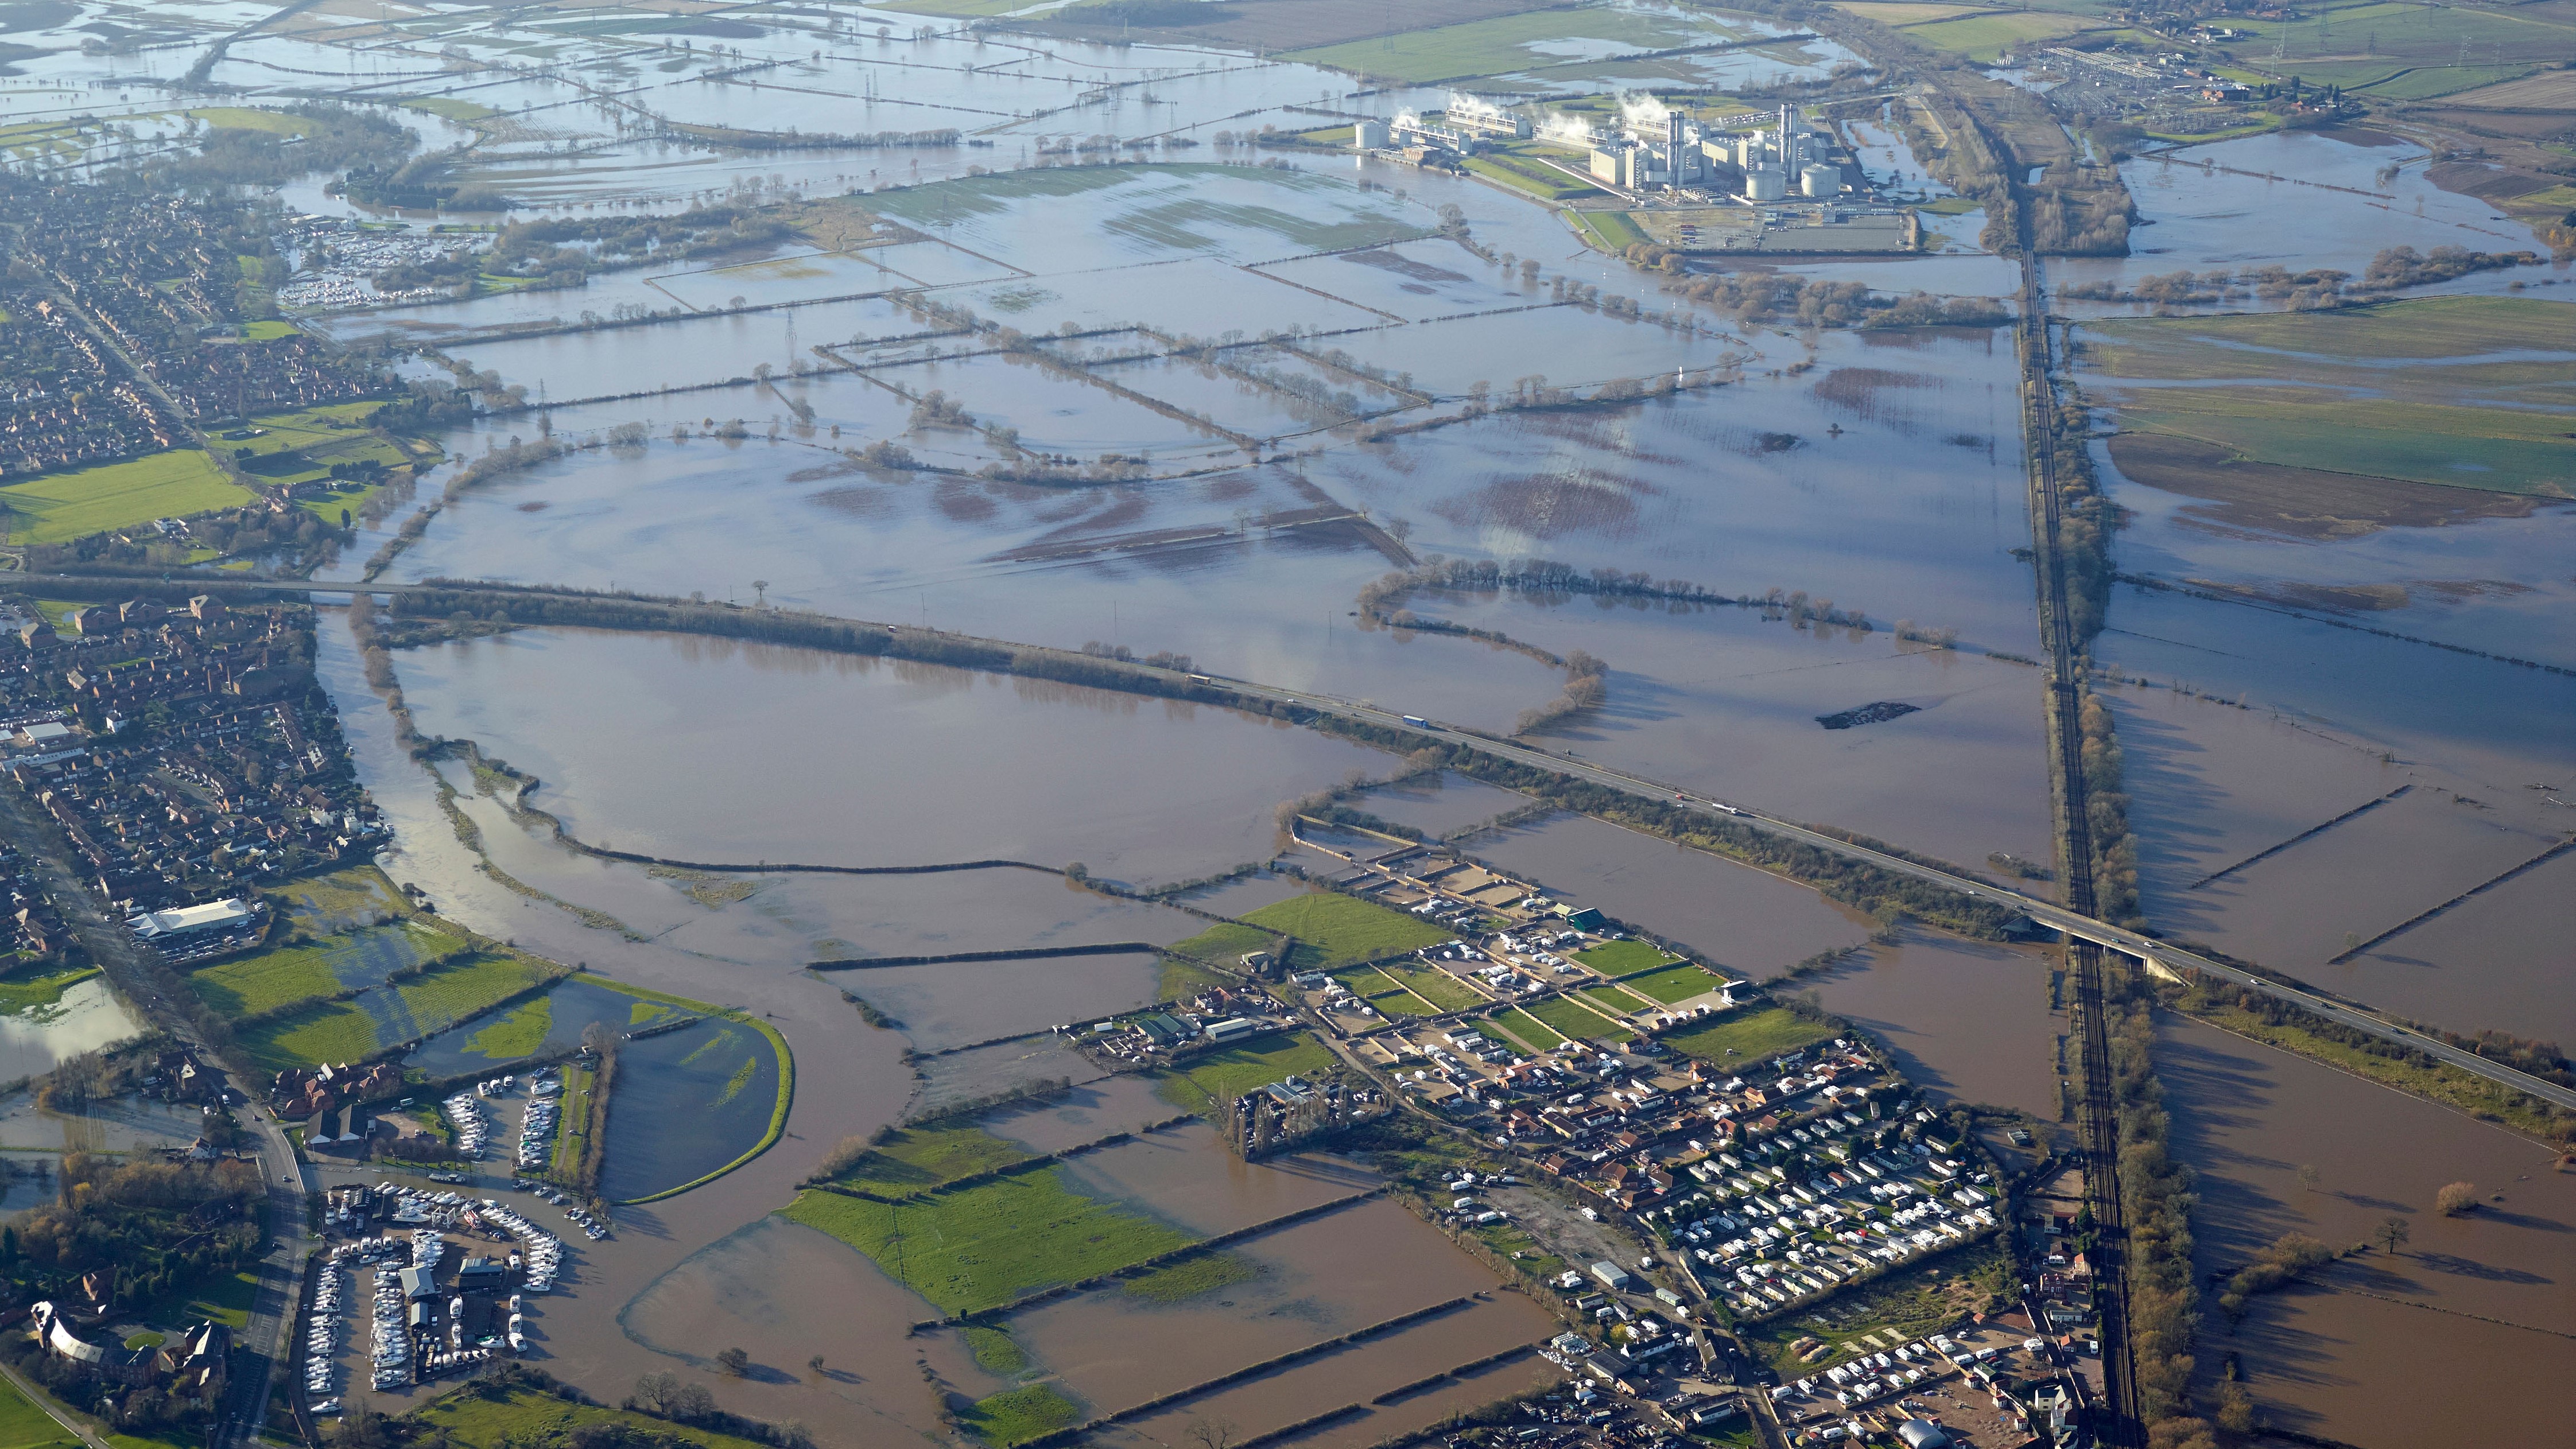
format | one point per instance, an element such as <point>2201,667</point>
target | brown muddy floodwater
<point>1969,1021</point>
<point>2452,1341</point>
<point>2217,791</point>
<point>962,1003</point>
<point>1440,805</point>
<point>1312,1280</point>
<point>1185,1176</point>
<point>1739,918</point>
<point>701,749</point>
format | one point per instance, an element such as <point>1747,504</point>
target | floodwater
<point>1969,1021</point>
<point>123,1125</point>
<point>2198,220</point>
<point>1737,918</point>
<point>2325,1359</point>
<point>1718,701</point>
<point>849,760</point>
<point>1317,1280</point>
<point>958,1003</point>
<point>88,1017</point>
<point>685,1104</point>
<point>1441,804</point>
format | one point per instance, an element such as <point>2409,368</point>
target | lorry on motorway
<point>1415,720</point>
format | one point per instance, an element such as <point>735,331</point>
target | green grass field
<point>347,1031</point>
<point>520,1033</point>
<point>1530,1029</point>
<point>354,896</point>
<point>39,988</point>
<point>2406,34</point>
<point>225,1298</point>
<point>1192,1276</point>
<point>1228,1073</point>
<point>1612,998</point>
<point>1575,1021</point>
<point>2427,81</point>
<point>1620,958</point>
<point>1611,231</point>
<point>1340,929</point>
<point>1674,983</point>
<point>55,507</point>
<point>1384,992</point>
<point>522,1417</point>
<point>1225,945</point>
<point>1015,1416</point>
<point>24,1426</point>
<point>996,1352</point>
<point>1530,178</point>
<point>2316,389</point>
<point>1748,1035</point>
<point>915,1160</point>
<point>1444,991</point>
<point>982,1246</point>
<point>249,985</point>
<point>1983,37</point>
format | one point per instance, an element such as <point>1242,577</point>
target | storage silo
<point>1765,183</point>
<point>1371,136</point>
<point>1818,179</point>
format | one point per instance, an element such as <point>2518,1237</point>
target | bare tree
<point>2392,1234</point>
<point>2307,1177</point>
<point>1213,1434</point>
<point>2456,1198</point>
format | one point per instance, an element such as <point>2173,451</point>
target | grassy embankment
<point>113,497</point>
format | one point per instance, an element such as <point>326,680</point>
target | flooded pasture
<point>2478,1301</point>
<point>711,721</point>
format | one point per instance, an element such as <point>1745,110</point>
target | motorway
<point>262,1343</point>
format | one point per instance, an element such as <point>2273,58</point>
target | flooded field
<point>2478,1300</point>
<point>1970,1021</point>
<point>88,1017</point>
<point>517,694</point>
<point>1742,920</point>
<point>959,1003</point>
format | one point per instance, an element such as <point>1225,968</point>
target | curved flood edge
<point>777,1111</point>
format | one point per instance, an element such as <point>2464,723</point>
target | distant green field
<point>519,1034</point>
<point>1190,1276</point>
<point>915,1160</point>
<point>2404,34</point>
<point>1612,998</point>
<point>982,1246</point>
<point>2317,389</point>
<point>1983,37</point>
<point>1748,1035</point>
<point>1232,1071</point>
<point>1444,991</point>
<point>1342,929</point>
<point>111,497</point>
<point>2426,82</point>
